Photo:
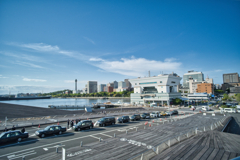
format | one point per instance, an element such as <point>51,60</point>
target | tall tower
<point>76,85</point>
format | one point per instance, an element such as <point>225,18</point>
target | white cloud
<point>88,39</point>
<point>96,59</point>
<point>34,80</point>
<point>1,76</point>
<point>69,81</point>
<point>218,70</point>
<point>137,66</point>
<point>27,64</point>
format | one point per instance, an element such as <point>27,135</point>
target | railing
<point>150,153</point>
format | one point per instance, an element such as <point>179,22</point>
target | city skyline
<point>46,45</point>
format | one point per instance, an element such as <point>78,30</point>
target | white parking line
<point>106,135</point>
<point>94,137</point>
<point>60,142</point>
<point>11,157</point>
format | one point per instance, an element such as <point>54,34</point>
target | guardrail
<point>157,149</point>
<point>35,121</point>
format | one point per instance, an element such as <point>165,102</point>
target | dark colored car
<point>135,117</point>
<point>123,119</point>
<point>51,130</point>
<point>105,121</point>
<point>13,136</point>
<point>175,112</point>
<point>85,124</point>
<point>145,115</point>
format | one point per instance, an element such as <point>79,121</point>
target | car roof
<point>12,131</point>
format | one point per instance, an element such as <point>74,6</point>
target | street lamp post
<point>122,102</point>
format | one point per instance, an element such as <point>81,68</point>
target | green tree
<point>237,97</point>
<point>225,97</point>
<point>177,101</point>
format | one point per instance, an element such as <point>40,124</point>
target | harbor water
<point>63,101</point>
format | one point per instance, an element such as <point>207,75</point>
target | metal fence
<point>148,154</point>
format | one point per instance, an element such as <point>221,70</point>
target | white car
<point>205,108</point>
<point>230,110</point>
<point>155,114</point>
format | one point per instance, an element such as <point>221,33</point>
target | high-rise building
<point>115,84</point>
<point>76,85</point>
<point>91,86</point>
<point>196,76</point>
<point>109,89</point>
<point>128,84</point>
<point>101,87</point>
<point>231,78</point>
<point>121,85</point>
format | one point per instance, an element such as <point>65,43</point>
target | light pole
<point>122,102</point>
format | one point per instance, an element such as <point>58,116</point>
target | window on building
<point>160,81</point>
<point>162,87</point>
<point>173,82</point>
<point>162,91</point>
<point>135,83</point>
<point>148,83</point>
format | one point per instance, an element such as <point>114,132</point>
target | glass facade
<point>148,83</point>
<point>147,90</point>
<point>197,77</point>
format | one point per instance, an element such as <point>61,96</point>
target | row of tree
<point>226,97</point>
<point>96,94</point>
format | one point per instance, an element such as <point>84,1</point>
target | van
<point>205,108</point>
<point>230,110</point>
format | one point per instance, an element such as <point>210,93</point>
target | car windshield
<point>125,116</point>
<point>153,112</point>
<point>47,128</point>
<point>120,118</point>
<point>168,112</point>
<point>102,119</point>
<point>79,123</point>
<point>143,115</point>
<point>132,116</point>
<point>1,135</point>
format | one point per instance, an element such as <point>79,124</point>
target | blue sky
<point>45,45</point>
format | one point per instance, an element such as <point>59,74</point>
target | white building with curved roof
<point>161,89</point>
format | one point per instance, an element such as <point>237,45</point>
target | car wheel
<point>103,125</point>
<point>79,129</point>
<point>90,127</point>
<point>43,135</point>
<point>19,139</point>
<point>60,132</point>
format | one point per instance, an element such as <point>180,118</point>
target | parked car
<point>123,119</point>
<point>205,108</point>
<point>175,112</point>
<point>13,136</point>
<point>163,113</point>
<point>230,110</point>
<point>105,121</point>
<point>84,124</point>
<point>135,117</point>
<point>51,130</point>
<point>169,113</point>
<point>145,115</point>
<point>155,114</point>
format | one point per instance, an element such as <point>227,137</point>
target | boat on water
<point>22,96</point>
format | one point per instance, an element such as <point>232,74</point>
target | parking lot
<point>35,147</point>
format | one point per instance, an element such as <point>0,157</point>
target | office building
<point>196,76</point>
<point>101,87</point>
<point>121,84</point>
<point>109,89</point>
<point>161,89</point>
<point>110,85</point>
<point>115,84</point>
<point>128,84</point>
<point>205,88</point>
<point>231,78</point>
<point>193,84</point>
<point>91,86</point>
